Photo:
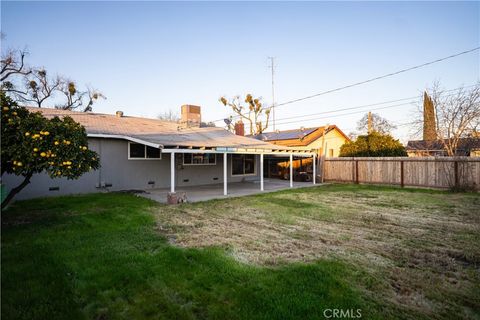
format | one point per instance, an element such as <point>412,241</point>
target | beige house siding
<point>333,141</point>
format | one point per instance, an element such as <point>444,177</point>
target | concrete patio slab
<point>215,191</point>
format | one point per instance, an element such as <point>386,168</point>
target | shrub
<point>374,144</point>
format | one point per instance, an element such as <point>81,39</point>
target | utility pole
<point>272,66</point>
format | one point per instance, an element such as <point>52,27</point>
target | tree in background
<point>37,88</point>
<point>457,115</point>
<point>12,64</point>
<point>76,99</point>
<point>374,144</point>
<point>253,112</point>
<point>33,144</point>
<point>169,115</point>
<point>34,87</point>
<point>377,123</point>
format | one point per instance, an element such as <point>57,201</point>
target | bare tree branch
<point>169,115</point>
<point>13,63</point>
<point>76,99</point>
<point>38,88</point>
<point>253,112</point>
<point>379,124</point>
<point>457,115</point>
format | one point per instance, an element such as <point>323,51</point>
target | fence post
<point>455,169</point>
<point>402,182</point>
<point>353,170</point>
<point>356,172</point>
<point>324,163</point>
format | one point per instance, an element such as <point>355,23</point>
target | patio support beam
<point>291,170</point>
<point>172,172</point>
<point>225,191</point>
<point>314,165</point>
<point>261,172</point>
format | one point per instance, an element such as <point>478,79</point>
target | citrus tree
<point>33,144</point>
<point>374,144</point>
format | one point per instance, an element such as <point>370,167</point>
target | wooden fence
<point>435,172</point>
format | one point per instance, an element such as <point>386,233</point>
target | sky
<point>151,57</point>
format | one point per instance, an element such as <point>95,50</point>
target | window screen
<point>153,153</point>
<point>140,151</point>
<point>137,150</point>
<point>249,164</point>
<point>237,164</point>
<point>243,164</point>
<point>187,158</point>
<point>199,158</point>
<point>212,158</point>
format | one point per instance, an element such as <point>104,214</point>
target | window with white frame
<point>190,159</point>
<point>141,151</point>
<point>243,164</point>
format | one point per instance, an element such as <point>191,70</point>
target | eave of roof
<point>424,145</point>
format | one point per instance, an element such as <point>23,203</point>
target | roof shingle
<point>161,132</point>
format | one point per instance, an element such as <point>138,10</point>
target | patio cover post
<point>225,174</point>
<point>291,170</point>
<point>314,163</point>
<point>172,172</point>
<point>261,172</point>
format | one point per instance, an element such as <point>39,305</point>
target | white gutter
<point>122,137</point>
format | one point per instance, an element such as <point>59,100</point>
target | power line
<point>349,113</point>
<point>379,77</point>
<point>361,111</point>
<point>370,80</point>
<point>367,105</point>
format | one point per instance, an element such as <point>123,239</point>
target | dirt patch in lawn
<point>423,248</point>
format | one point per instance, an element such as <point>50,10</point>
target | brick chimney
<point>239,128</point>
<point>191,116</point>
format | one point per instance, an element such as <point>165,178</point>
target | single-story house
<point>141,153</point>
<point>467,147</point>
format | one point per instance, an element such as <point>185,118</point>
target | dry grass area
<point>418,249</point>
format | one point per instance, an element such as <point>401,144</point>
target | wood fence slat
<point>436,172</point>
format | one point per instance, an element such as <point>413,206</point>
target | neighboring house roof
<point>298,137</point>
<point>464,144</point>
<point>157,133</point>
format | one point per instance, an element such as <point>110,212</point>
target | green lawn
<point>284,255</point>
